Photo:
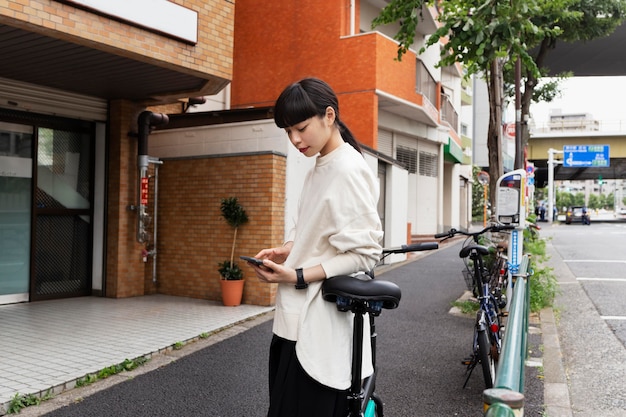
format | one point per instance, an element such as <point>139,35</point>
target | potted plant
<point>232,275</point>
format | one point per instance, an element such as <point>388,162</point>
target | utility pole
<point>551,163</point>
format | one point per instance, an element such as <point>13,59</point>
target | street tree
<point>487,37</point>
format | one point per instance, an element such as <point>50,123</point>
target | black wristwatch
<point>300,284</point>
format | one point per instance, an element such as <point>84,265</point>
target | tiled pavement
<point>49,344</point>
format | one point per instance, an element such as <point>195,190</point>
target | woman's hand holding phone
<point>252,260</point>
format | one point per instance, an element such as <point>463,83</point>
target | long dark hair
<point>307,98</point>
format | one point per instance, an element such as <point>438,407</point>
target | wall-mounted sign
<point>156,15</point>
<point>144,191</point>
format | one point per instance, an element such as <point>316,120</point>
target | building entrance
<point>15,210</point>
<point>46,202</point>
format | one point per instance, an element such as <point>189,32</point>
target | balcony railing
<point>425,84</point>
<point>448,114</point>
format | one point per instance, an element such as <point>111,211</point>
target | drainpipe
<point>145,122</point>
<point>153,252</point>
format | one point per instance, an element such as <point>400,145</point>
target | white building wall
<point>237,138</point>
<point>264,136</point>
<point>396,203</point>
<point>452,197</point>
<point>480,156</point>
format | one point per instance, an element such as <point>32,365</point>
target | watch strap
<point>300,284</point>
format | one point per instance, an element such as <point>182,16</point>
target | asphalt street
<point>589,263</point>
<point>420,348</point>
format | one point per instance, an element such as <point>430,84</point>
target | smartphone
<point>257,262</point>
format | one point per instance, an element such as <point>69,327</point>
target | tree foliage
<point>487,37</point>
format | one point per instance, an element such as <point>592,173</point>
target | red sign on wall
<point>144,191</point>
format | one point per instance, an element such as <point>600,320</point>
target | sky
<point>602,97</point>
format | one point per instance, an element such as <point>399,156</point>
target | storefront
<point>47,206</point>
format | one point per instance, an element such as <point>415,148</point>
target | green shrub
<point>543,283</point>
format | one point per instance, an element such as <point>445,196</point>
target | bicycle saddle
<point>482,250</point>
<point>362,289</point>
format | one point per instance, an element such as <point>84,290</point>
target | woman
<point>338,232</point>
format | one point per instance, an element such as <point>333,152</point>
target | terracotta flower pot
<point>232,291</point>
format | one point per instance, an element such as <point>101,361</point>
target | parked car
<point>577,214</point>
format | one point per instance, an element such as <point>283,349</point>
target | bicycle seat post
<point>361,296</point>
<point>357,358</point>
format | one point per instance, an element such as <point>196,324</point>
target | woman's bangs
<point>292,107</point>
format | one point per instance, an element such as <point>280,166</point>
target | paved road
<point>589,263</point>
<point>595,255</point>
<point>420,348</point>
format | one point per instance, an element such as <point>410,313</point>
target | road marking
<point>602,279</point>
<point>613,317</point>
<point>595,260</point>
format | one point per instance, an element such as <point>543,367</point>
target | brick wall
<point>124,269</point>
<point>212,54</point>
<point>193,237</point>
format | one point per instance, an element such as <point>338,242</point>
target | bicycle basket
<point>469,279</point>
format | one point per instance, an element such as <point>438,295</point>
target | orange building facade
<point>408,110</point>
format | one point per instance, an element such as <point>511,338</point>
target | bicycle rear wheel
<point>486,358</point>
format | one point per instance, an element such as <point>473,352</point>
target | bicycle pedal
<point>466,361</point>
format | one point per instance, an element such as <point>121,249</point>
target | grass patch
<point>126,366</point>
<point>467,306</point>
<point>543,283</point>
<point>21,401</point>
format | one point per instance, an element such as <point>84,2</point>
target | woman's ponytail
<point>347,135</point>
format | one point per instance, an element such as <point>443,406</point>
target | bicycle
<point>361,295</point>
<point>487,285</point>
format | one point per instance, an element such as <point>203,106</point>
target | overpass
<point>597,57</point>
<point>540,142</point>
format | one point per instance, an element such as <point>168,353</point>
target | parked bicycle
<point>487,281</point>
<point>361,295</point>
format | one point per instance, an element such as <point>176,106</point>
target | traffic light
<point>600,180</point>
<point>541,177</point>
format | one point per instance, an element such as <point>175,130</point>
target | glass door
<point>15,211</point>
<point>62,213</point>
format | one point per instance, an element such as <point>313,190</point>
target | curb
<point>556,391</point>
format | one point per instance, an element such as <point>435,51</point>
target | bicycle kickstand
<point>471,363</point>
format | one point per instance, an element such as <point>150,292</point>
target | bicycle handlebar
<point>414,247</point>
<point>493,228</point>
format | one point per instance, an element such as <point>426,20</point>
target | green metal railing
<point>506,399</point>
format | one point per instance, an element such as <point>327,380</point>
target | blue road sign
<point>583,156</point>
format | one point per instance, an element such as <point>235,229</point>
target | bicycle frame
<point>487,341</point>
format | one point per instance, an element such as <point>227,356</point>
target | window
<point>428,164</point>
<point>408,158</point>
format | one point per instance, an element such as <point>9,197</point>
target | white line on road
<point>596,260</point>
<point>613,317</point>
<point>602,279</point>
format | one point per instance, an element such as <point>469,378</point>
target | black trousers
<point>293,393</point>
